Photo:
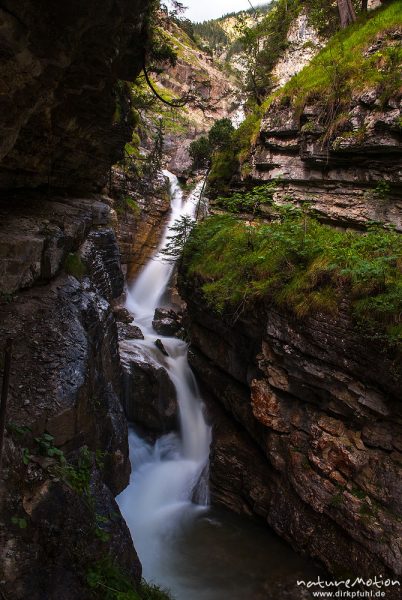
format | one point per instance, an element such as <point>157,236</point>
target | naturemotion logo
<point>350,588</point>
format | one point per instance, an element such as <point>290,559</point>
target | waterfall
<point>168,475</point>
<point>198,552</point>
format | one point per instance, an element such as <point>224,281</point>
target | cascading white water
<point>150,285</point>
<point>165,476</point>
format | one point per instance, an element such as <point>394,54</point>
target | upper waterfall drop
<point>196,551</point>
<point>149,287</point>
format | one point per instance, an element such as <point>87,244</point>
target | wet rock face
<point>101,256</point>
<point>125,326</point>
<point>56,88</point>
<point>346,180</point>
<point>139,232</point>
<point>316,450</point>
<point>66,381</point>
<point>149,395</point>
<point>38,234</point>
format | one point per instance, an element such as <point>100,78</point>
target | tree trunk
<point>364,5</point>
<point>346,12</point>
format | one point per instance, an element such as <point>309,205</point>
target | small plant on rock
<point>74,266</point>
<point>46,447</point>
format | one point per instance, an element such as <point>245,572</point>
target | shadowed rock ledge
<point>59,67</point>
<point>65,383</point>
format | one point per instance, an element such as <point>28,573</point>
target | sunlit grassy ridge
<point>302,265</point>
<point>340,70</point>
<point>345,57</point>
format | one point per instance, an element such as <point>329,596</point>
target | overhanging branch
<point>179,103</point>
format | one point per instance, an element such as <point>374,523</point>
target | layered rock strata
<point>351,179</point>
<point>316,451</point>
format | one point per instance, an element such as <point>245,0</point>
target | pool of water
<point>221,556</point>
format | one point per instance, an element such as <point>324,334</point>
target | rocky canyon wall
<point>66,451</point>
<point>316,451</point>
<point>352,181</point>
<point>62,126</point>
<point>140,220</point>
<point>306,411</point>
<point>346,165</point>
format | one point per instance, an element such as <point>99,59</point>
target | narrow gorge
<point>200,300</point>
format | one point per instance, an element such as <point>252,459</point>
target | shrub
<point>249,202</point>
<point>127,203</point>
<point>224,165</point>
<point>221,133</point>
<point>200,152</point>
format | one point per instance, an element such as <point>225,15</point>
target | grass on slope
<point>107,581</point>
<point>301,264</point>
<point>345,66</point>
<point>342,68</point>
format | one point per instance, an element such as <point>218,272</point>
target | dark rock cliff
<point>317,447</point>
<point>64,121</point>
<point>59,66</point>
<point>66,383</point>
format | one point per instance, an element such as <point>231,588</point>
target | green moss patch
<point>302,265</point>
<point>74,266</point>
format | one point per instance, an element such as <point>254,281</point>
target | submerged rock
<point>161,347</point>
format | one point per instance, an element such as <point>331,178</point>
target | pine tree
<point>181,229</point>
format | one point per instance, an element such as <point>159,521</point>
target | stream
<point>196,551</point>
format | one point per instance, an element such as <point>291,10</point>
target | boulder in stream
<point>129,332</point>
<point>122,315</point>
<point>161,347</point>
<point>167,321</point>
